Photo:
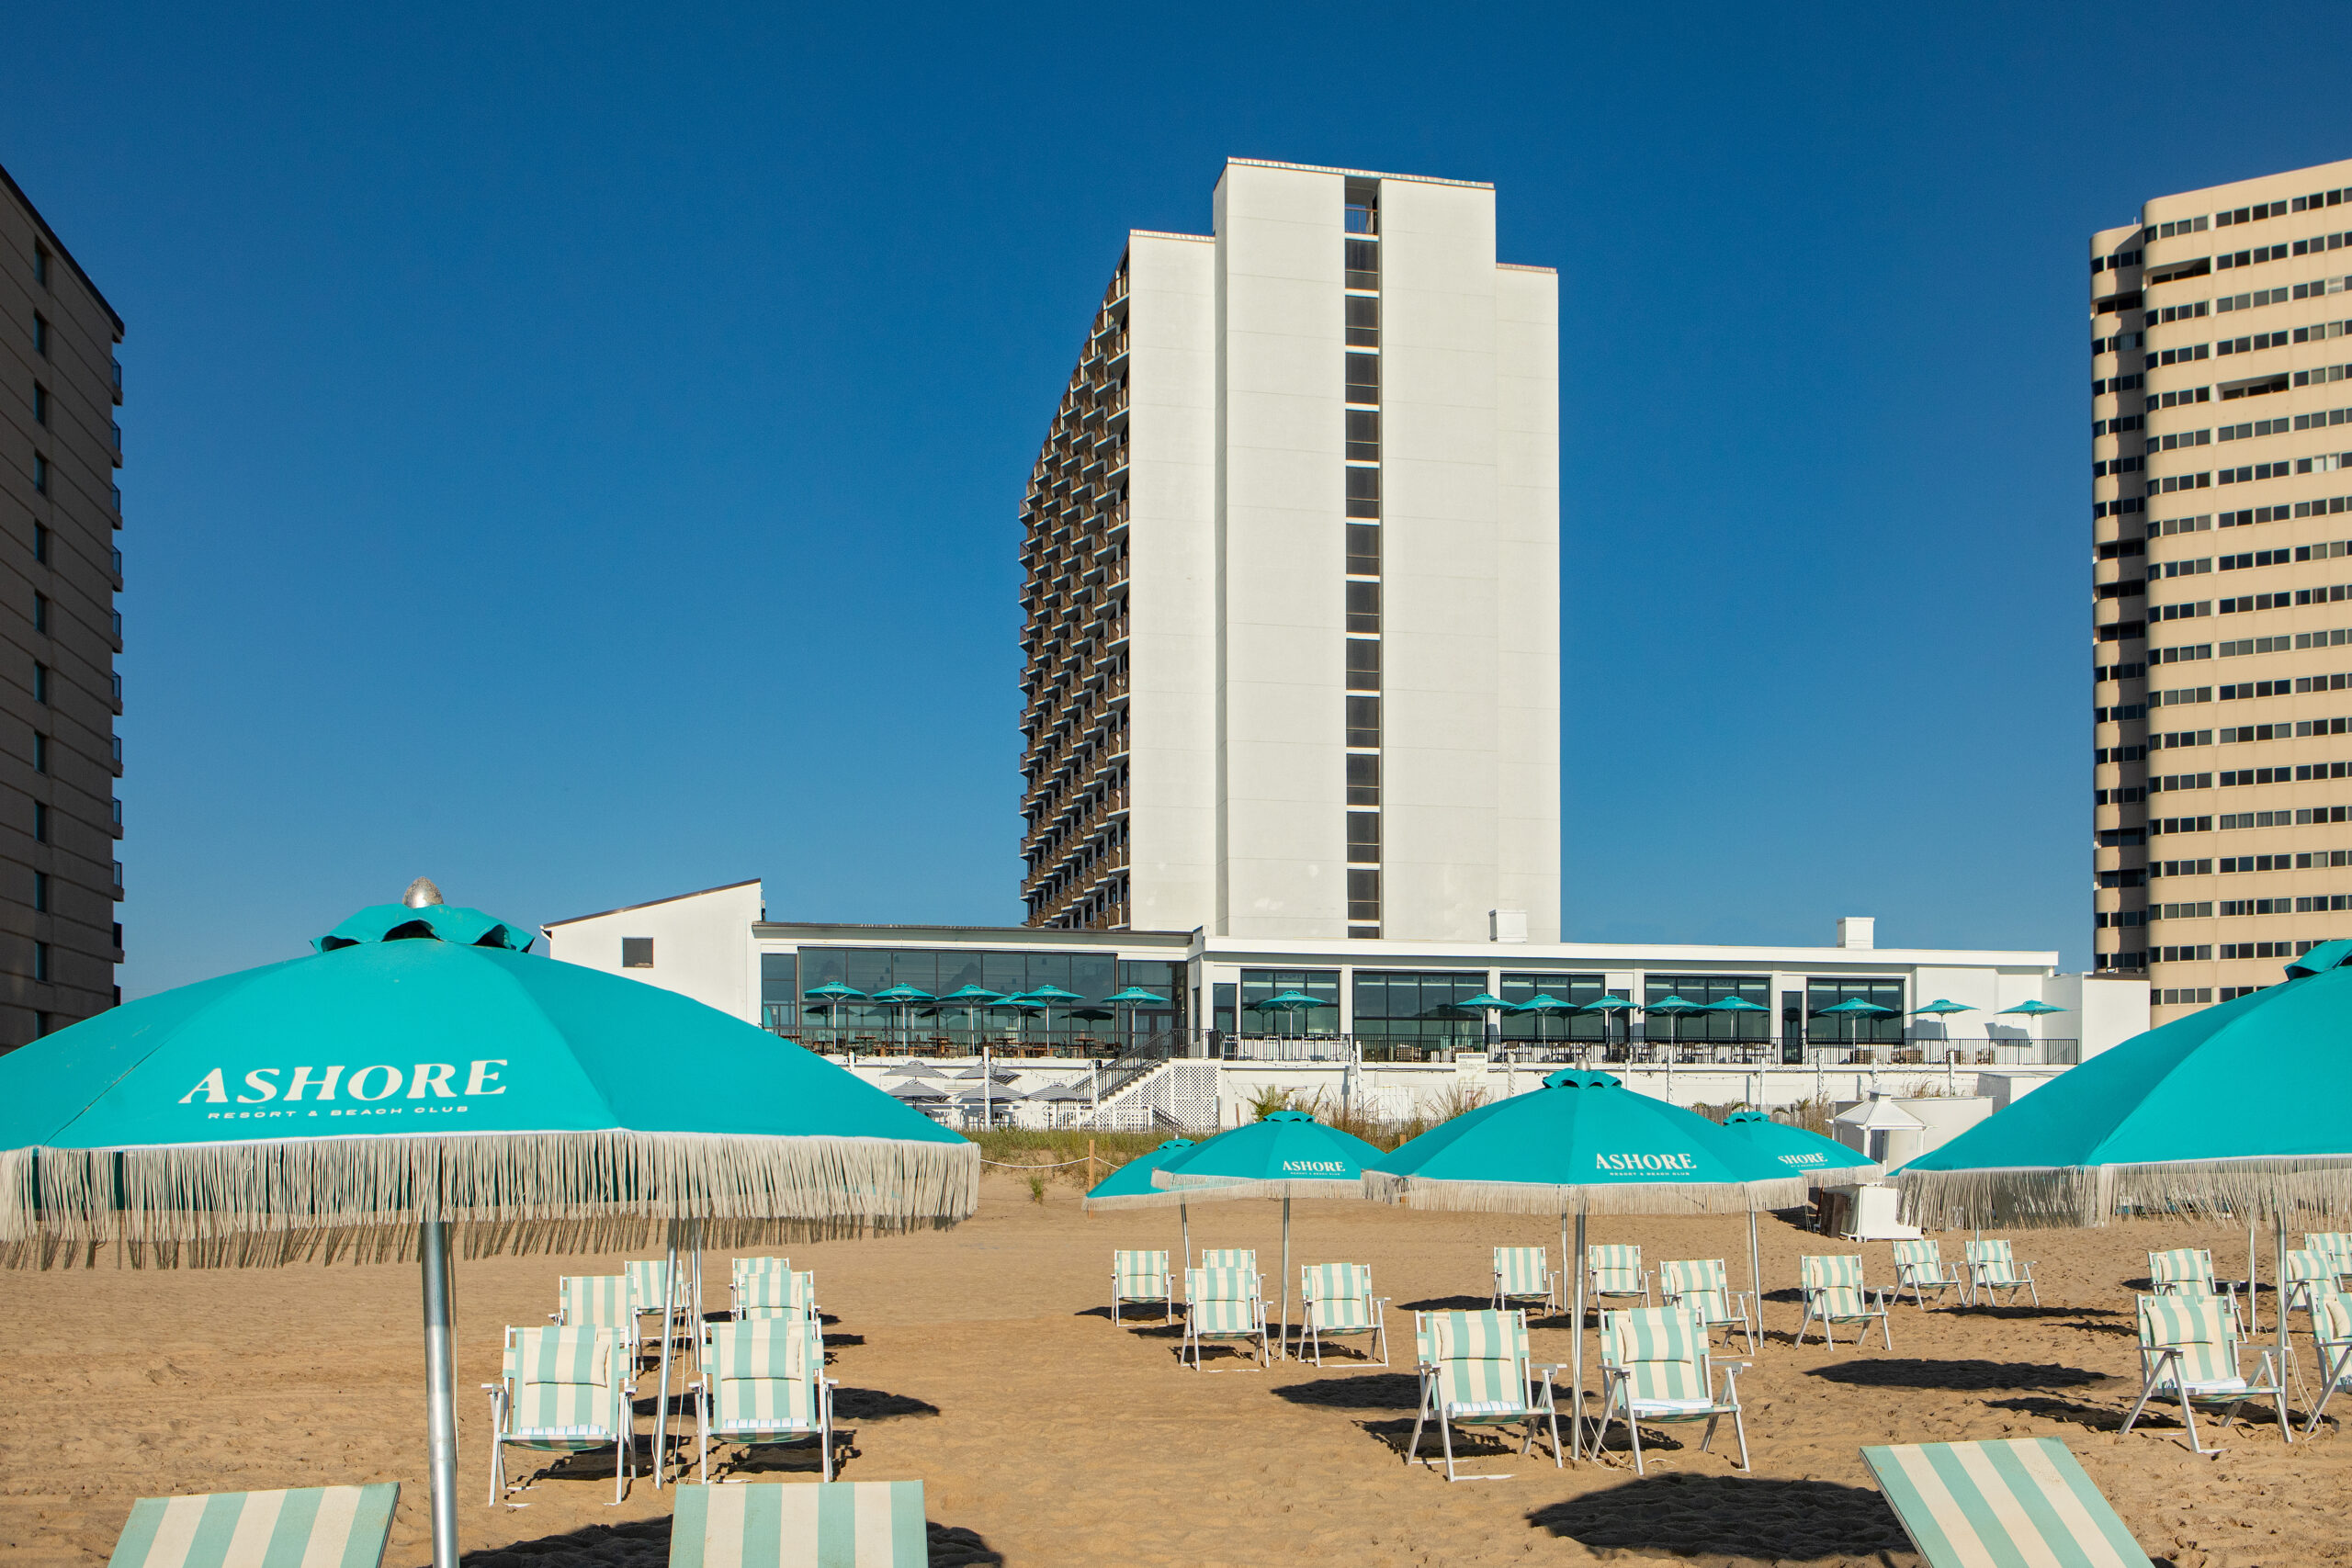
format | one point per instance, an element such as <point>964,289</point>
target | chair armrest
<point>1548,1368</point>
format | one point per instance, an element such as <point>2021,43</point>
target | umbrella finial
<point>420,894</point>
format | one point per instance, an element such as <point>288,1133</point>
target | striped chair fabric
<point>1993,1266</point>
<point>786,1295</point>
<point>323,1527</point>
<point>2332,1343</point>
<point>564,1387</point>
<point>647,1279</point>
<point>743,1268</point>
<point>1139,1275</point>
<point>1923,1261</point>
<point>1224,1302</point>
<point>2308,1271</point>
<point>1834,1271</point>
<point>1244,1259</point>
<point>1702,1286</point>
<point>2189,1348</point>
<point>2336,1242</point>
<point>1481,1363</point>
<point>1616,1272</point>
<point>1522,1273</point>
<point>1992,1505</point>
<point>1662,1353</point>
<point>2184,1268</point>
<point>1834,1292</point>
<point>1338,1296</point>
<point>598,1300</point>
<point>831,1524</point>
<point>764,1375</point>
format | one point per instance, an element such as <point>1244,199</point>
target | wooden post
<point>1090,1164</point>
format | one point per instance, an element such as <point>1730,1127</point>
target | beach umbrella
<point>1134,997</point>
<point>972,999</point>
<point>1129,1187</point>
<point>831,996</point>
<point>1735,1006</point>
<point>422,1085</point>
<point>1585,1144</point>
<point>1540,1003</point>
<point>1674,1007</point>
<point>1606,1007</point>
<point>1823,1162</point>
<point>1284,1154</point>
<point>1940,1008</point>
<point>1045,998</point>
<point>1854,1008</point>
<point>900,998</point>
<point>1291,1003</point>
<point>2032,1008</point>
<point>1487,1003</point>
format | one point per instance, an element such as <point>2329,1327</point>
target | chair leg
<point>1633,1430</point>
<point>1739,1429</point>
<point>1421,1416</point>
<point>1707,1438</point>
<point>1445,1436</point>
<point>2189,1418</point>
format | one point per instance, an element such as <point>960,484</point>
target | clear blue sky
<point>574,451</point>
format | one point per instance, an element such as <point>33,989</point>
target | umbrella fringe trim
<point>1629,1198</point>
<point>1224,1189</point>
<point>248,1204</point>
<point>2288,1186</point>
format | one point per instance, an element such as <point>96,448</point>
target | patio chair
<point>329,1527</point>
<point>1655,1367</point>
<point>2332,1345</point>
<point>1223,1304</point>
<point>1338,1299</point>
<point>762,1384</point>
<point>1919,1267</point>
<point>1138,1277</point>
<point>1475,1373</point>
<point>827,1524</point>
<point>2189,1346</point>
<point>1702,1286</point>
<point>2189,1271</point>
<point>1834,1294</point>
<point>1987,1505</point>
<point>787,1294</point>
<point>1613,1276</point>
<point>563,1390</point>
<point>1242,1257</point>
<point>1525,1274</point>
<point>1993,1265</point>
<point>647,1279</point>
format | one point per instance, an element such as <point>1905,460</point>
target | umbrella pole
<point>441,1401</point>
<point>1575,1373</point>
<point>1184,1218</point>
<point>1755,1276</point>
<point>668,1332</point>
<point>2253,1284</point>
<point>1285,1276</point>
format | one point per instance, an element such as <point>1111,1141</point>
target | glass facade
<point>1407,1015</point>
<point>1861,1029</point>
<point>1706,989</point>
<point>1086,1028</point>
<point>1526,1028</point>
<point>1261,1023</point>
<point>780,992</point>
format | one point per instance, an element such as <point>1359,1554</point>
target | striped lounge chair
<point>1702,1286</point>
<point>788,1293</point>
<point>1615,1277</point>
<point>1919,1267</point>
<point>1991,1504</point>
<point>563,1390</point>
<point>743,1268</point>
<point>1222,1304</point>
<point>1475,1373</point>
<point>648,1283</point>
<point>2332,1346</point>
<point>1834,1294</point>
<point>2189,1348</point>
<point>1338,1299</point>
<point>830,1524</point>
<point>1993,1265</point>
<point>1655,1367</point>
<point>2336,1242</point>
<point>324,1526</point>
<point>2189,1271</point>
<point>1138,1277</point>
<point>762,1384</point>
<point>1523,1275</point>
<point>1242,1257</point>
<point>596,1301</point>
<point>2308,1274</point>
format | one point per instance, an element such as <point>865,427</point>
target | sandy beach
<point>983,1362</point>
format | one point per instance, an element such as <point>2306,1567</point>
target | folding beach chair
<point>2189,1271</point>
<point>1475,1372</point>
<point>789,1293</point>
<point>828,1524</point>
<point>741,1270</point>
<point>1224,1304</point>
<point>596,1301</point>
<point>2338,1243</point>
<point>1655,1367</point>
<point>323,1527</point>
<point>2188,1346</point>
<point>1339,1300</point>
<point>1138,1277</point>
<point>1834,1292</point>
<point>2307,1273</point>
<point>647,1278</point>
<point>1919,1267</point>
<point>1702,1286</point>
<point>562,1391</point>
<point>1613,1276</point>
<point>2332,1343</point>
<point>762,1384</point>
<point>1242,1257</point>
<point>1989,1505</point>
<point>1993,1265</point>
<point>1525,1274</point>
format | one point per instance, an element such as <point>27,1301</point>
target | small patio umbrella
<point>1941,1009</point>
<point>832,995</point>
<point>1129,1187</point>
<point>1677,1007</point>
<point>1542,1002</point>
<point>971,998</point>
<point>1046,997</point>
<point>2033,1009</point>
<point>1488,1005</point>
<point>1854,1008</point>
<point>1287,1154</point>
<point>1291,1003</point>
<point>1134,997</point>
<point>1735,1006</point>
<point>1823,1162</point>
<point>1606,1007</point>
<point>900,998</point>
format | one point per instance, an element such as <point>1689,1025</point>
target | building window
<point>40,266</point>
<point>41,335</point>
<point>41,822</point>
<point>1364,434</point>
<point>1406,1014</point>
<point>40,960</point>
<point>1363,722</point>
<point>779,991</point>
<point>40,612</point>
<point>1864,1029</point>
<point>40,403</point>
<point>1364,321</point>
<point>40,474</point>
<point>1363,486</point>
<point>1262,985</point>
<point>1576,990</point>
<point>40,753</point>
<point>1363,549</point>
<point>1363,894</point>
<point>41,541</point>
<point>1363,664</point>
<point>1706,991</point>
<point>1364,837</point>
<point>1363,778</point>
<point>637,953</point>
<point>1363,378</point>
<point>41,683</point>
<point>1363,198</point>
<point>40,891</point>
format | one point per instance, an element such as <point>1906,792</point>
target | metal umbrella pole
<point>1756,1280</point>
<point>440,1384</point>
<point>1285,1276</point>
<point>1575,1373</point>
<point>668,1332</point>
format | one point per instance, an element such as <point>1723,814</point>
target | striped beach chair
<point>762,1384</point>
<point>1614,1275</point>
<point>2307,1274</point>
<point>1475,1374</point>
<point>648,1280</point>
<point>1523,1274</point>
<point>2189,1348</point>
<point>1138,1277</point>
<point>1919,1267</point>
<point>1222,1304</point>
<point>2336,1242</point>
<point>2332,1346</point>
<point>1993,1265</point>
<point>1702,1286</point>
<point>2189,1271</point>
<point>1834,1292</point>
<point>1655,1367</point>
<point>743,1268</point>
<point>789,1293</point>
<point>1339,1300</point>
<point>1242,1257</point>
<point>830,1524</point>
<point>323,1527</point>
<point>595,1300</point>
<point>1991,1504</point>
<point>563,1390</point>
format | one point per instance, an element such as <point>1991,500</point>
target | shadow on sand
<point>1903,1372</point>
<point>645,1543</point>
<point>1729,1519</point>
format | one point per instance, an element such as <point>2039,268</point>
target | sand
<point>983,1362</point>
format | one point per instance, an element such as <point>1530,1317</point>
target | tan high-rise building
<point>59,570</point>
<point>2222,512</point>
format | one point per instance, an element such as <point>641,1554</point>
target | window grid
<point>1362,562</point>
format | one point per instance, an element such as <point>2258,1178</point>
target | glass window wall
<point>780,991</point>
<point>1085,1027</point>
<point>1523,1029</point>
<point>1411,1015</point>
<point>1861,1029</point>
<point>1706,989</point>
<point>1289,1024</point>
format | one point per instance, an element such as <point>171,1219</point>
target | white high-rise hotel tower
<point>1292,548</point>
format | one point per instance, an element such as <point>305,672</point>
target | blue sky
<point>574,451</point>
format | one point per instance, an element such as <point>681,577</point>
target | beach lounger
<point>1242,1257</point>
<point>762,1384</point>
<point>743,1268</point>
<point>1525,1274</point>
<point>1138,1277</point>
<point>828,1524</point>
<point>2332,1345</point>
<point>2189,1348</point>
<point>596,1301</point>
<point>647,1279</point>
<point>1834,1292</point>
<point>1655,1367</point>
<point>322,1527</point>
<point>791,1294</point>
<point>1991,1504</point>
<point>2189,1271</point>
<point>2336,1242</point>
<point>1993,1265</point>
<point>562,1391</point>
<point>1702,1286</point>
<point>1339,1300</point>
<point>1223,1304</point>
<point>1475,1373</point>
<point>1919,1267</point>
<point>2308,1272</point>
<point>1614,1275</point>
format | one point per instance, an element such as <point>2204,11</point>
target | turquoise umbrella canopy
<point>1136,996</point>
<point>2237,1109</point>
<point>1287,1155</point>
<point>1939,1007</point>
<point>1129,1187</point>
<point>1821,1161</point>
